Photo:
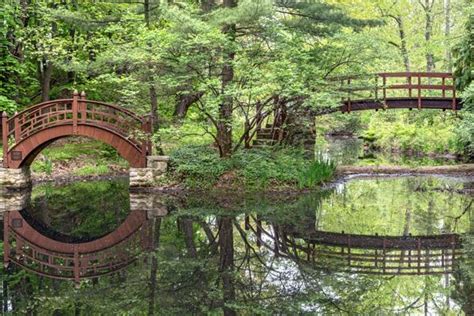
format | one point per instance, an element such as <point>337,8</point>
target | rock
<point>15,179</point>
<point>149,176</point>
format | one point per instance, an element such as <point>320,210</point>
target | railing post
<point>349,105</point>
<point>83,107</point>
<point>419,92</point>
<point>16,122</point>
<point>454,97</point>
<point>384,255</point>
<point>376,87</point>
<point>443,83</point>
<point>146,128</point>
<point>5,138</point>
<point>75,97</point>
<point>409,85</point>
<point>76,265</point>
<point>384,82</point>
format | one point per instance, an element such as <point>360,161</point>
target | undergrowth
<point>201,167</point>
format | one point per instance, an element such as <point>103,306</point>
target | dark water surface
<point>399,245</point>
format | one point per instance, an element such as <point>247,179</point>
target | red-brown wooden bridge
<point>27,133</point>
<point>382,91</point>
<point>402,90</point>
<point>37,253</point>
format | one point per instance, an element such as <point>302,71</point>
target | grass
<point>81,156</point>
<point>91,170</point>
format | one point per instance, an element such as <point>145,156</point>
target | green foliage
<point>7,105</point>
<point>82,209</point>
<point>320,170</point>
<point>414,133</point>
<point>92,170</point>
<point>83,156</point>
<point>201,167</point>
<point>464,53</point>
<point>198,165</point>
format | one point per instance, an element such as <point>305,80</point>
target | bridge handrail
<point>52,102</point>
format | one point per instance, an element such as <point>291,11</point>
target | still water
<point>354,151</point>
<point>399,245</point>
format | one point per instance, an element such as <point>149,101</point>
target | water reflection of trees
<point>212,258</point>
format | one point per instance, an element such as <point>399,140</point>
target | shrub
<point>317,172</point>
<point>198,165</point>
<point>201,167</point>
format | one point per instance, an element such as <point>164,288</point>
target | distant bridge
<point>382,91</point>
<point>400,90</point>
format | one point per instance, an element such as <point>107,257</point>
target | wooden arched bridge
<point>365,254</point>
<point>382,91</point>
<point>27,133</point>
<point>30,249</point>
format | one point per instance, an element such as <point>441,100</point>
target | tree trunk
<point>224,125</point>
<point>186,226</point>
<point>428,7</point>
<point>45,74</point>
<point>207,5</point>
<point>403,43</point>
<point>154,108</point>
<point>156,225</point>
<point>146,9</point>
<point>185,101</point>
<point>226,262</point>
<point>447,34</point>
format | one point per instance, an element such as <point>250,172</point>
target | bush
<point>272,168</point>
<point>317,172</point>
<point>198,165</point>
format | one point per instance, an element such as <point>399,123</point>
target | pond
<point>350,150</point>
<point>400,245</point>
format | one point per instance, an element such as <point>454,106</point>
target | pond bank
<point>462,169</point>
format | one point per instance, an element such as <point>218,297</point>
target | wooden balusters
<point>5,138</point>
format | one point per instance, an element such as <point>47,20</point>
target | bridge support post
<point>15,179</point>
<point>149,176</point>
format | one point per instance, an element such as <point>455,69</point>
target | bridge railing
<point>384,87</point>
<point>75,112</point>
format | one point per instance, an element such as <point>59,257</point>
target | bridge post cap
<point>83,94</point>
<point>75,92</point>
<point>4,114</point>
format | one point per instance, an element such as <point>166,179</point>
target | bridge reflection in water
<point>28,246</point>
<point>368,254</point>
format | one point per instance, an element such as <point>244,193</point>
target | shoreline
<point>342,174</point>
